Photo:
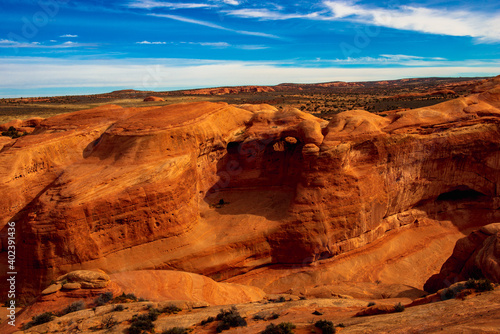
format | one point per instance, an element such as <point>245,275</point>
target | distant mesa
<point>153,99</point>
<point>230,90</point>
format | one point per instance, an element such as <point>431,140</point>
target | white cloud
<point>485,27</point>
<point>151,43</point>
<point>149,4</point>
<point>213,25</point>
<point>388,59</point>
<point>218,45</point>
<point>215,44</point>
<point>165,74</point>
<point>253,47</point>
<point>266,14</point>
<point>231,2</point>
<point>68,36</point>
<point>5,43</point>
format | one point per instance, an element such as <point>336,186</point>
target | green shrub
<point>470,284</point>
<point>207,321</point>
<point>118,308</point>
<point>153,314</point>
<point>176,330</point>
<point>141,324</point>
<point>123,298</point>
<point>39,319</point>
<point>170,309</point>
<point>325,326</point>
<point>228,319</point>
<point>108,322</point>
<point>73,307</point>
<point>103,298</point>
<point>274,316</point>
<point>13,133</point>
<point>399,307</point>
<point>448,294</point>
<point>484,285</point>
<point>283,328</point>
<point>144,322</point>
<point>280,299</point>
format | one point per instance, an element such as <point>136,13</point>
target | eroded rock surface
<point>219,190</point>
<point>475,256</point>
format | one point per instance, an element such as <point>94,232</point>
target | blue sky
<point>58,47</point>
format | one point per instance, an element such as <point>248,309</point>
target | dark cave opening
<point>461,193</point>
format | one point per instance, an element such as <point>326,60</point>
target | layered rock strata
<point>219,190</point>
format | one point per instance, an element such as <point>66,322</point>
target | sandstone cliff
<point>475,256</point>
<point>220,190</point>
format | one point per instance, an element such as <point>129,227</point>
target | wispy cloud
<point>266,14</point>
<point>388,59</point>
<point>151,43</point>
<point>211,44</point>
<point>69,36</point>
<point>485,27</point>
<point>213,25</point>
<point>215,44</point>
<point>189,20</point>
<point>150,4</point>
<point>5,43</point>
<point>231,2</point>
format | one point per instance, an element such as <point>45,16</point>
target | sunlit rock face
<point>218,190</point>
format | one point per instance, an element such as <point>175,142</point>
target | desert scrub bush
<point>325,326</point>
<point>283,328</point>
<point>144,322</point>
<point>280,299</point>
<point>108,322</point>
<point>207,321</point>
<point>103,298</point>
<point>399,307</point>
<point>448,294</point>
<point>141,324</point>
<point>39,319</point>
<point>176,330</point>
<point>73,307</point>
<point>125,298</point>
<point>118,308</point>
<point>13,133</point>
<point>228,319</point>
<point>170,309</point>
<point>272,316</point>
<point>479,284</point>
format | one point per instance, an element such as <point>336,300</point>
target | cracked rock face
<point>219,190</point>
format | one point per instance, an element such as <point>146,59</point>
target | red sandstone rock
<point>123,189</point>
<point>162,285</point>
<point>376,309</point>
<point>474,256</point>
<point>230,90</point>
<point>153,99</point>
<point>17,123</point>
